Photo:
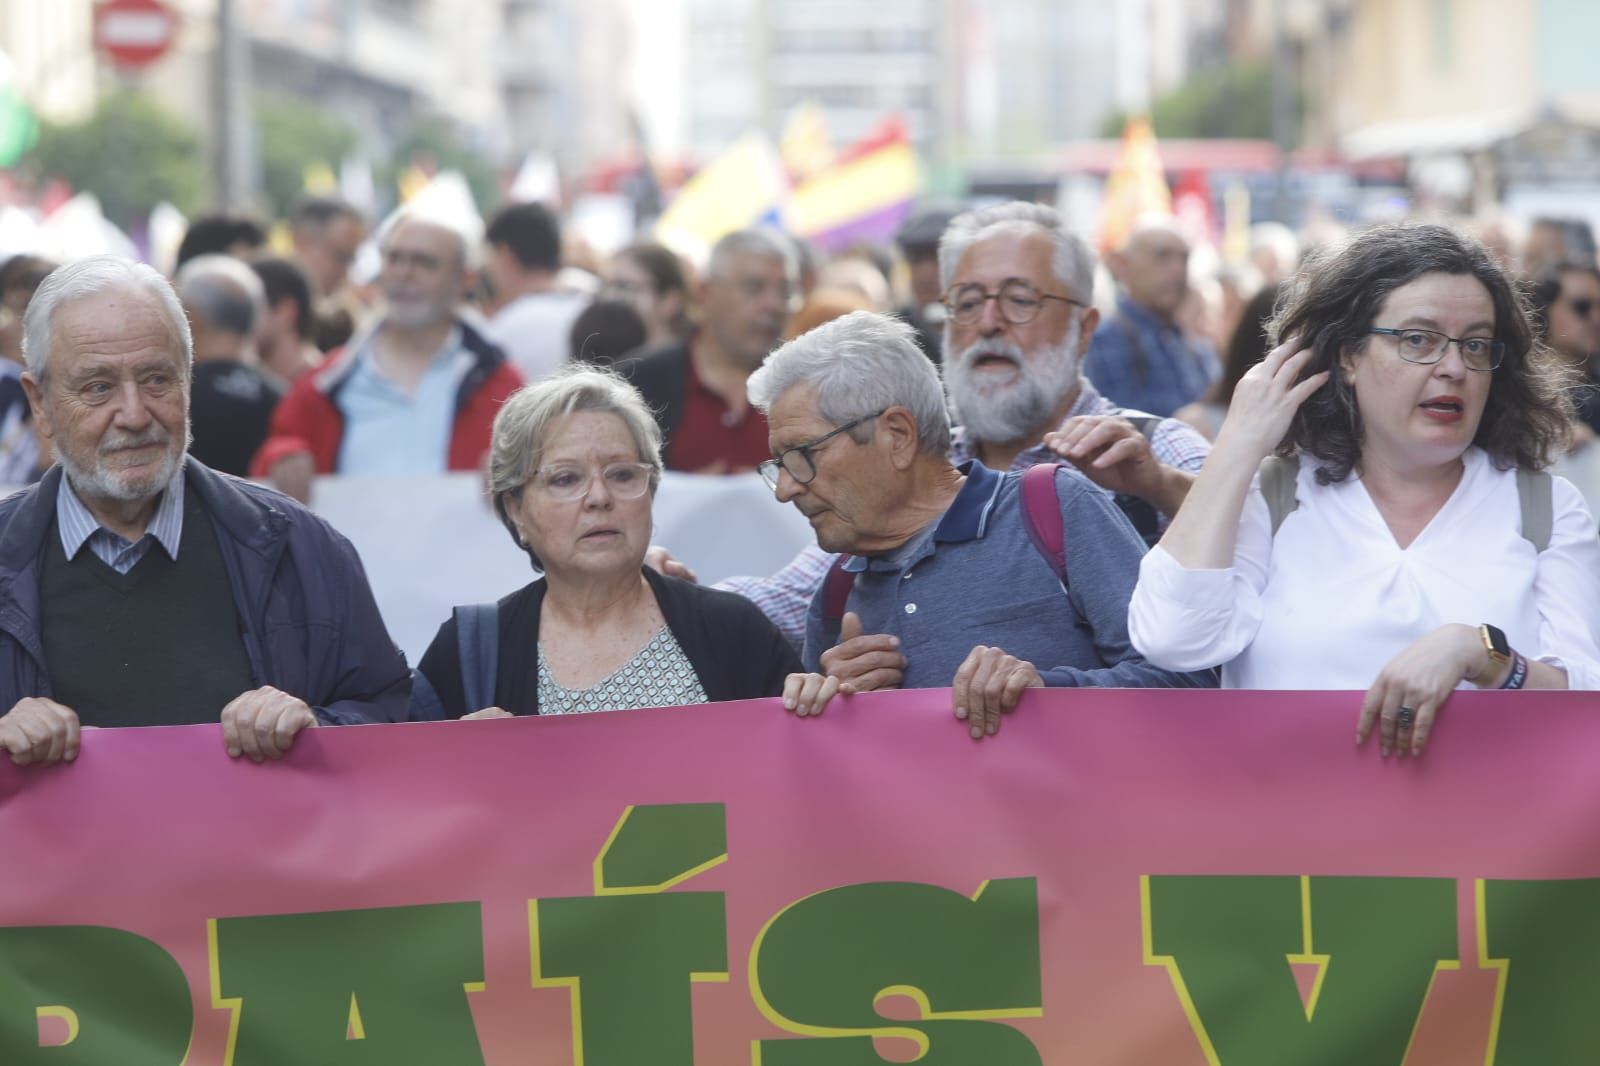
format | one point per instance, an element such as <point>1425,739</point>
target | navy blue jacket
<point>307,617</point>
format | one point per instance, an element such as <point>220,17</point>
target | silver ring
<point>1406,717</point>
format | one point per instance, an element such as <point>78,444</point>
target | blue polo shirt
<point>1141,363</point>
<point>390,431</point>
<point>974,577</point>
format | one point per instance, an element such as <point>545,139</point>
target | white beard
<point>100,483</point>
<point>999,407</point>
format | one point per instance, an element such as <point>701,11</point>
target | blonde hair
<point>517,444</point>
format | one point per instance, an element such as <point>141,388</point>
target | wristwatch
<point>1500,653</point>
<point>1495,643</point>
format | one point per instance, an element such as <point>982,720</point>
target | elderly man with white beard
<point>1018,286</point>
<point>139,587</point>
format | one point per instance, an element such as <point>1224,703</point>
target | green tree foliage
<point>19,130</point>
<point>1229,101</point>
<point>296,135</point>
<point>131,153</point>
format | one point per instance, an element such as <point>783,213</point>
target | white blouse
<point>1332,598</point>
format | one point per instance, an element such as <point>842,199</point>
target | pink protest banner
<point>1118,877</point>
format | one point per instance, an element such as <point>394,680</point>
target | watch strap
<point>1518,676</point>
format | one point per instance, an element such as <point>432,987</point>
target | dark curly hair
<point>1335,300</point>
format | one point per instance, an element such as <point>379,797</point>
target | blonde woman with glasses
<point>573,469</point>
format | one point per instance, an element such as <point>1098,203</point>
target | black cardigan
<point>736,652</point>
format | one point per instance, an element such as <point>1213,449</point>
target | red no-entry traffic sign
<point>134,33</point>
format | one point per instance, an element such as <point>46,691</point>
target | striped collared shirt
<point>79,527</point>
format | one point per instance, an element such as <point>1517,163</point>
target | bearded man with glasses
<point>1018,284</point>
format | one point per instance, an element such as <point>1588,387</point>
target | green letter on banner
<point>1371,945</point>
<point>378,986</point>
<point>1545,938</point>
<point>822,965</point>
<point>123,998</point>
<point>629,953</point>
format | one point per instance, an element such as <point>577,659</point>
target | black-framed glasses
<point>799,461</point>
<point>1427,347</point>
<point>1018,301</point>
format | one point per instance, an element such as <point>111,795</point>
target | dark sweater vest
<point>159,645</point>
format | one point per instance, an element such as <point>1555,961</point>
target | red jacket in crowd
<point>308,419</point>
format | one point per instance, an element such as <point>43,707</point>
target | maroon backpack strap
<point>1042,509</point>
<point>836,588</point>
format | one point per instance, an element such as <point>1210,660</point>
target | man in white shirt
<point>534,322</point>
<point>1010,384</point>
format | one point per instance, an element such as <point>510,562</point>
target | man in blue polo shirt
<point>1140,358</point>
<point>941,555</point>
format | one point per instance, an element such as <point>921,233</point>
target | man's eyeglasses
<point>1427,347</point>
<point>565,483</point>
<point>398,259</point>
<point>798,461</point>
<point>1018,301</point>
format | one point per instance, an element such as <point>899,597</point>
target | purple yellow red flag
<point>735,190</point>
<point>865,196</point>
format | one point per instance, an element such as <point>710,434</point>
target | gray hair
<point>468,232</point>
<point>91,277</point>
<point>1073,262</point>
<point>767,244</point>
<point>516,447</point>
<point>223,293</point>
<point>860,363</point>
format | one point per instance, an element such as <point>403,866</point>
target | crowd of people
<point>1016,477</point>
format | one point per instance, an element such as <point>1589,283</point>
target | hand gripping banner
<point>1119,877</point>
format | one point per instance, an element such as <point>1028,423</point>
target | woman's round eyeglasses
<point>565,483</point>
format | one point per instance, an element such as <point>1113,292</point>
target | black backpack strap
<point>478,642</point>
